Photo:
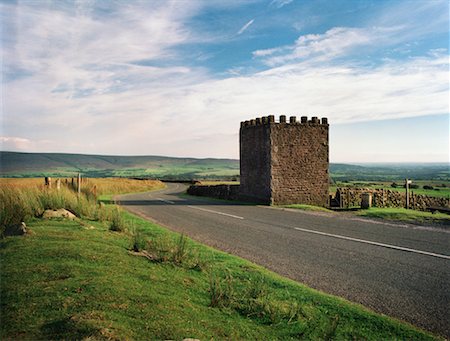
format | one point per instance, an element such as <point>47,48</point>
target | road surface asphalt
<point>398,270</point>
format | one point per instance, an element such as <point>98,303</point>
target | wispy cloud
<point>335,42</point>
<point>22,144</point>
<point>244,28</point>
<point>280,3</point>
<point>14,143</point>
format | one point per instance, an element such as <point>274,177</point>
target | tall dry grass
<point>23,199</point>
<point>22,204</point>
<point>101,186</point>
<point>121,185</point>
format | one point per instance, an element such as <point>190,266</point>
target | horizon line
<point>228,158</point>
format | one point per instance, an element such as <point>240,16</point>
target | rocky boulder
<point>15,230</point>
<point>60,213</point>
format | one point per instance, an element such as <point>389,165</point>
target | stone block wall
<point>351,197</point>
<point>255,177</point>
<point>285,162</point>
<point>227,192</point>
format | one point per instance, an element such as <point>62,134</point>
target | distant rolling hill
<point>13,164</point>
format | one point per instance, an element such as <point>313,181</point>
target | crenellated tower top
<point>282,120</point>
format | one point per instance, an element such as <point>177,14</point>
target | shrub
<point>195,262</point>
<point>180,251</point>
<point>103,213</point>
<point>161,249</point>
<point>412,186</point>
<point>17,205</point>
<point>117,223</point>
<point>137,240</point>
<point>252,298</point>
<point>166,250</point>
<point>428,187</point>
<point>394,185</point>
<point>221,291</point>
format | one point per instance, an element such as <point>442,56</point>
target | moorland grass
<point>67,281</point>
<point>394,214</point>
<point>24,199</point>
<point>85,280</point>
<point>103,186</point>
<point>402,214</point>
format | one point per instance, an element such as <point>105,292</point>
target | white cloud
<point>247,25</point>
<point>266,52</point>
<point>14,143</point>
<point>98,85</point>
<point>336,42</point>
<point>164,117</point>
<point>82,52</point>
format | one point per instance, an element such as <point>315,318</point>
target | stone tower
<point>284,162</point>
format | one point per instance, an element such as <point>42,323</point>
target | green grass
<point>396,214</point>
<point>440,193</point>
<point>67,280</point>
<point>307,207</point>
<point>402,214</point>
<point>23,199</point>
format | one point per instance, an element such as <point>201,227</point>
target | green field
<point>390,172</point>
<point>14,164</point>
<point>79,280</point>
<point>440,188</point>
<point>95,166</point>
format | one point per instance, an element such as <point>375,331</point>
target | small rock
<point>15,230</point>
<point>60,213</point>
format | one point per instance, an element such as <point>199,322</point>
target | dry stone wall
<point>351,197</point>
<point>284,162</point>
<point>227,192</point>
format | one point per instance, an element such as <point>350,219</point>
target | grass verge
<point>66,281</point>
<point>393,214</point>
<point>404,215</point>
<point>307,207</point>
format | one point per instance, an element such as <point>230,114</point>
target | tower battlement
<point>282,120</point>
<point>284,162</point>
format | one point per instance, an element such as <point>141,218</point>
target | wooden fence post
<point>79,184</point>
<point>407,182</point>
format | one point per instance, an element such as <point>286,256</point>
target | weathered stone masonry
<point>351,197</point>
<point>284,162</point>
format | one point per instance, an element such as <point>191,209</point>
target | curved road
<point>401,271</point>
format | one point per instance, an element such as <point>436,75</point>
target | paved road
<point>396,270</point>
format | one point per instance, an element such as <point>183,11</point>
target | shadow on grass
<point>68,329</point>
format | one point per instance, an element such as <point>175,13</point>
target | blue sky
<point>176,77</point>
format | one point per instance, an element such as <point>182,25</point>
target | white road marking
<point>167,201</point>
<point>216,212</point>
<point>375,243</point>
